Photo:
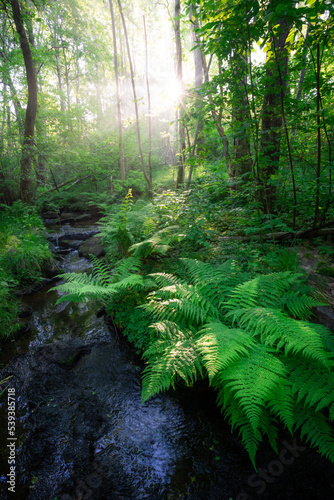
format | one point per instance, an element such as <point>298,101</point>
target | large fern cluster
<point>239,331</point>
<point>266,365</point>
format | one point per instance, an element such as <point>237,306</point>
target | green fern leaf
<point>253,380</point>
<point>220,345</point>
<point>278,330</point>
<point>169,360</point>
<point>316,430</point>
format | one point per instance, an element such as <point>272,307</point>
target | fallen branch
<point>77,181</point>
<point>323,230</point>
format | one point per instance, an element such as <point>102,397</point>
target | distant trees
<point>254,106</point>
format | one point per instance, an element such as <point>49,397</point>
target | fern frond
<point>185,301</point>
<point>264,290</point>
<point>312,385</point>
<point>297,305</point>
<point>253,380</point>
<point>314,427</point>
<point>282,404</point>
<point>127,266</point>
<point>251,438</point>
<point>220,345</point>
<point>278,330</point>
<point>158,243</point>
<point>199,271</point>
<point>79,287</point>
<point>167,329</point>
<point>169,360</point>
<point>165,279</point>
<point>176,310</point>
<point>101,271</point>
<point>326,335</point>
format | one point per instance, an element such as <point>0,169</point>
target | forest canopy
<point>151,90</point>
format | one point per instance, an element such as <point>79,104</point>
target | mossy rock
<point>92,246</point>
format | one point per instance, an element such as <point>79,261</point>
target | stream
<point>82,432</point>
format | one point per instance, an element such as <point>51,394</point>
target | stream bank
<point>83,432</point>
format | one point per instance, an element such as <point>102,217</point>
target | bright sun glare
<point>171,92</point>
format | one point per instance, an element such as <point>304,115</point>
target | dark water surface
<point>83,432</point>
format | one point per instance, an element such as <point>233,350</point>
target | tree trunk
<point>60,83</point>
<point>26,184</point>
<point>149,108</point>
<point>242,162</point>
<point>149,182</point>
<point>119,111</point>
<point>182,142</point>
<point>198,60</point>
<point>272,119</point>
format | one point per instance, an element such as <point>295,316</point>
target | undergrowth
<point>23,253</point>
<point>242,323</point>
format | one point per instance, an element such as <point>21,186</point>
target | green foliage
<point>265,365</point>
<point>240,331</point>
<point>23,247</point>
<point>8,308</point>
<point>124,226</point>
<point>23,253</point>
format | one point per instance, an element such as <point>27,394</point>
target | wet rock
<point>73,217</point>
<point>24,310</point>
<point>74,244</point>
<point>326,317</point>
<point>92,246</point>
<point>51,269</point>
<point>50,215</point>
<point>71,234</point>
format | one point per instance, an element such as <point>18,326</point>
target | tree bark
<point>242,161</point>
<point>26,183</point>
<point>149,182</point>
<point>149,109</point>
<point>179,75</point>
<point>118,97</point>
<point>272,119</point>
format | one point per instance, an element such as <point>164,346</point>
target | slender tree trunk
<point>60,83</point>
<point>5,195</point>
<point>14,98</point>
<point>67,81</point>
<point>134,97</point>
<point>26,183</point>
<point>179,75</point>
<point>198,60</point>
<point>242,161</point>
<point>149,109</point>
<point>317,196</point>
<point>118,98</point>
<point>272,119</point>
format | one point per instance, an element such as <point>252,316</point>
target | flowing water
<point>82,431</point>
